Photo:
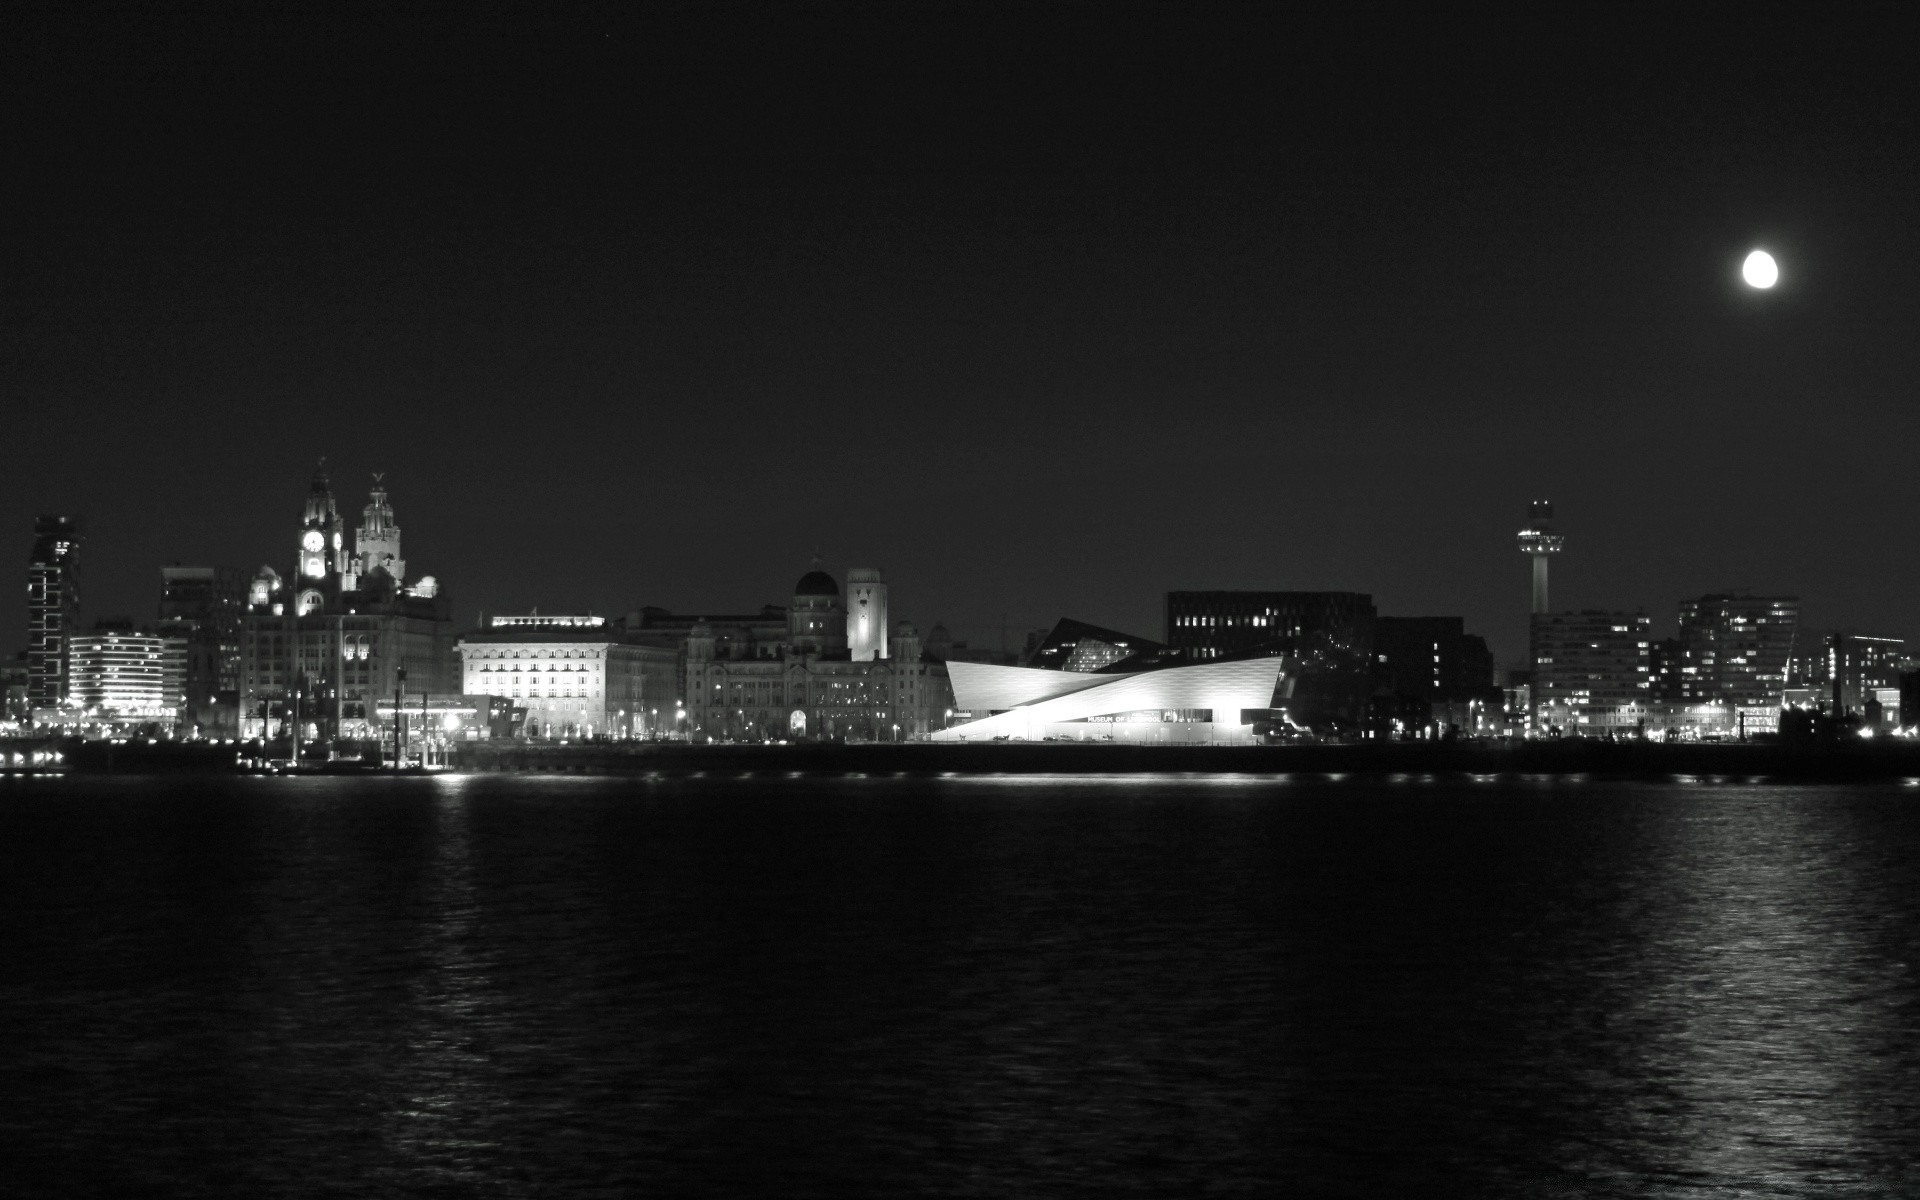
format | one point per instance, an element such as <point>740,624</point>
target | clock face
<point>313,540</point>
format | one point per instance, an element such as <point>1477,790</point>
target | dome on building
<point>816,583</point>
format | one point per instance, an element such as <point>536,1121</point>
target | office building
<point>1325,637</point>
<point>53,609</point>
<point>572,676</point>
<point>1591,671</point>
<point>205,608</point>
<point>1736,648</point>
<point>343,632</point>
<point>1430,658</point>
<point>1668,681</point>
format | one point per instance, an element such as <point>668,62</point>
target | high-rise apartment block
<point>1591,671</point>
<point>53,609</point>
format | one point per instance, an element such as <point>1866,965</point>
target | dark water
<point>996,987</point>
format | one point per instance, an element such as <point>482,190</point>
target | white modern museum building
<point>1207,703</point>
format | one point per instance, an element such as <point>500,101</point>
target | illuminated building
<point>1862,667</point>
<point>13,684</point>
<point>335,637</point>
<point>1077,646</point>
<point>1666,671</point>
<point>1591,671</point>
<point>572,676</point>
<point>1540,542</point>
<point>866,614</point>
<point>1326,638</point>
<point>1215,702</point>
<point>53,608</point>
<point>1734,656</point>
<point>119,674</point>
<point>205,608</point>
<point>810,686</point>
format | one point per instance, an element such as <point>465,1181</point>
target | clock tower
<point>322,548</point>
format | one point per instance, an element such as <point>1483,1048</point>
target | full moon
<point>1760,270</point>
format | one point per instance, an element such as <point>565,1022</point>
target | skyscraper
<point>53,608</point>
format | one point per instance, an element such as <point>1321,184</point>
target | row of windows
<point>540,654</point>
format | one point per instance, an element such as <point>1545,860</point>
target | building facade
<point>573,677</point>
<point>319,649</point>
<point>1592,671</point>
<point>1735,649</point>
<point>811,687</point>
<point>119,676</point>
<point>205,609</point>
<point>1326,637</point>
<point>53,609</point>
<point>1431,658</point>
<point>1219,702</point>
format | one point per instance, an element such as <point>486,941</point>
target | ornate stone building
<point>344,631</point>
<point>812,686</point>
<point>570,676</point>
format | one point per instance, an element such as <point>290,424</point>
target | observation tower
<point>1540,541</point>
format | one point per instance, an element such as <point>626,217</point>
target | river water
<point>1002,986</point>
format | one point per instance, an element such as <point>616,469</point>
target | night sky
<point>1041,310</point>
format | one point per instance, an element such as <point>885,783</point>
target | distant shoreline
<point>1733,762</point>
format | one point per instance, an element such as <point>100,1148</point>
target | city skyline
<point>1147,611</point>
<point>649,310</point>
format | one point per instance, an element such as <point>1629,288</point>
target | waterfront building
<point>13,687</point>
<point>53,609</point>
<point>1216,702</point>
<point>572,676</point>
<point>119,675</point>
<point>1077,646</point>
<point>1666,671</point>
<point>1591,671</point>
<point>866,615</point>
<point>1326,638</point>
<point>1861,667</point>
<point>809,686</point>
<point>343,631</point>
<point>205,609</point>
<point>1736,648</point>
<point>1430,658</point>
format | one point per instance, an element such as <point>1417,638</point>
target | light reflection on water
<point>993,986</point>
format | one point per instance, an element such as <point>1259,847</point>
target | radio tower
<point>1540,542</point>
